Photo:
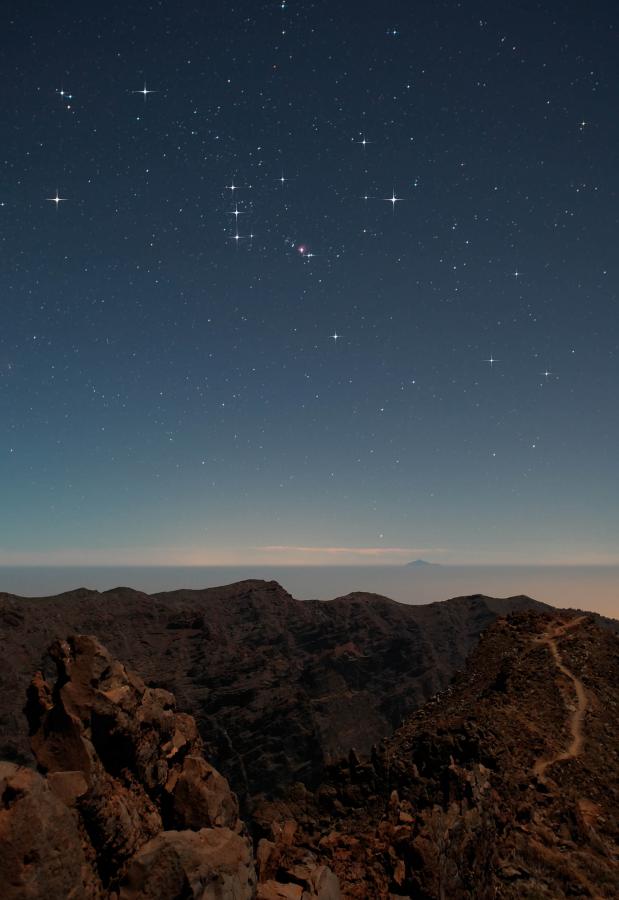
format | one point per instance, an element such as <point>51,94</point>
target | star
<point>236,212</point>
<point>145,91</point>
<point>393,200</point>
<point>547,373</point>
<point>364,142</point>
<point>516,274</point>
<point>335,336</point>
<point>492,360</point>
<point>57,199</point>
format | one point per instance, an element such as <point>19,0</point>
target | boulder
<point>42,856</point>
<point>210,864</point>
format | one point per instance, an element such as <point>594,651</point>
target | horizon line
<point>307,565</point>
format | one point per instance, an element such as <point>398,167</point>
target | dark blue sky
<point>170,393</point>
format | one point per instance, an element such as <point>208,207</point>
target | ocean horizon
<point>594,588</point>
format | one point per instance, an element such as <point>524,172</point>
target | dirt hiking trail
<point>577,717</point>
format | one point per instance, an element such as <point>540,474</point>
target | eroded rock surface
<point>502,786</point>
<point>124,806</point>
<point>456,804</point>
<point>277,686</point>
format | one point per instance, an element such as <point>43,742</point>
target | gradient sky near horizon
<point>321,282</point>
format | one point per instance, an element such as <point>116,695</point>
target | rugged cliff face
<point>504,785</point>
<point>278,687</point>
<point>124,805</point>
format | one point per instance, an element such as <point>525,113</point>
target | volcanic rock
<point>43,849</point>
<point>277,687</point>
<point>125,807</point>
<point>502,786</point>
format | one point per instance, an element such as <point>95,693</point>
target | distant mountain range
<point>422,564</point>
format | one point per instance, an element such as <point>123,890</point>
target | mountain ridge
<point>421,564</point>
<point>278,686</point>
<point>504,785</point>
<point>499,787</point>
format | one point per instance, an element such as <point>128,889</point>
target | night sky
<point>322,275</point>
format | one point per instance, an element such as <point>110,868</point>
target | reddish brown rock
<point>121,767</point>
<point>503,786</point>
<point>278,687</point>
<point>68,786</point>
<point>42,852</point>
<point>200,796</point>
<point>128,808</point>
<point>210,864</point>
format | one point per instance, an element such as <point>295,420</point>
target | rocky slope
<point>124,806</point>
<point>505,785</point>
<point>277,686</point>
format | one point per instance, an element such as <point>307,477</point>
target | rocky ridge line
<point>454,805</point>
<point>278,687</point>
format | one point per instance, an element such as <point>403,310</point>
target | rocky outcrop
<point>501,786</point>
<point>210,864</point>
<point>44,851</point>
<point>124,805</point>
<point>456,804</point>
<point>278,687</point>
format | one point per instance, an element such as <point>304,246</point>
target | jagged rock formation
<point>277,686</point>
<point>125,806</point>
<point>503,786</point>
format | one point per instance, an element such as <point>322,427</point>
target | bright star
<point>57,199</point>
<point>144,91</point>
<point>335,336</point>
<point>393,200</point>
<point>492,361</point>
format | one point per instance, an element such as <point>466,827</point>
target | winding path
<point>577,717</point>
